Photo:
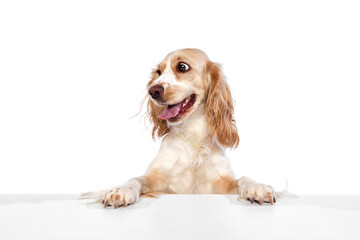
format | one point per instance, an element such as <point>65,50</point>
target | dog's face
<point>183,81</point>
<point>179,84</point>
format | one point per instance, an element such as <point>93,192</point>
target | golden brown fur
<point>160,127</point>
<point>220,108</point>
<point>225,185</point>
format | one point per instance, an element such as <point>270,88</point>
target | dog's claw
<point>271,201</point>
<point>252,200</point>
<point>261,201</point>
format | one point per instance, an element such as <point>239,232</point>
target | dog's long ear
<point>160,127</point>
<point>220,108</point>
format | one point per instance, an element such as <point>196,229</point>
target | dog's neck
<point>194,127</point>
<point>195,133</point>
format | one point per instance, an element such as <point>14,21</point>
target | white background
<point>73,73</point>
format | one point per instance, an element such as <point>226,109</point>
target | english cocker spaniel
<point>191,109</point>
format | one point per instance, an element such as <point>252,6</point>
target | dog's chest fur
<point>189,160</point>
<point>193,172</point>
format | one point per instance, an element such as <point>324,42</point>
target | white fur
<point>167,77</point>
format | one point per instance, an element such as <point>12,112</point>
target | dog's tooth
<point>183,105</point>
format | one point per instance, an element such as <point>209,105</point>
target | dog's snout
<point>156,91</point>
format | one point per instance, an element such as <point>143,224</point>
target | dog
<point>191,109</point>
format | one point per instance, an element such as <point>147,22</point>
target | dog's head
<point>183,81</point>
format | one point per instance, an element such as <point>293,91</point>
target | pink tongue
<point>170,112</point>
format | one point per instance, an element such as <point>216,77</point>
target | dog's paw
<point>122,196</point>
<point>260,193</point>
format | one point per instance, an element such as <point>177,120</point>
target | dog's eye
<point>158,72</point>
<point>183,67</point>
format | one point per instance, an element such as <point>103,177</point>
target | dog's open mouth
<point>179,109</point>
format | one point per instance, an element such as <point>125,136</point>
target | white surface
<point>180,217</point>
<point>73,72</point>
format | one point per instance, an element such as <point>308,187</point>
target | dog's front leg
<point>124,195</point>
<point>253,191</point>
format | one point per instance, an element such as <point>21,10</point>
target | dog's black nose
<point>156,91</point>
